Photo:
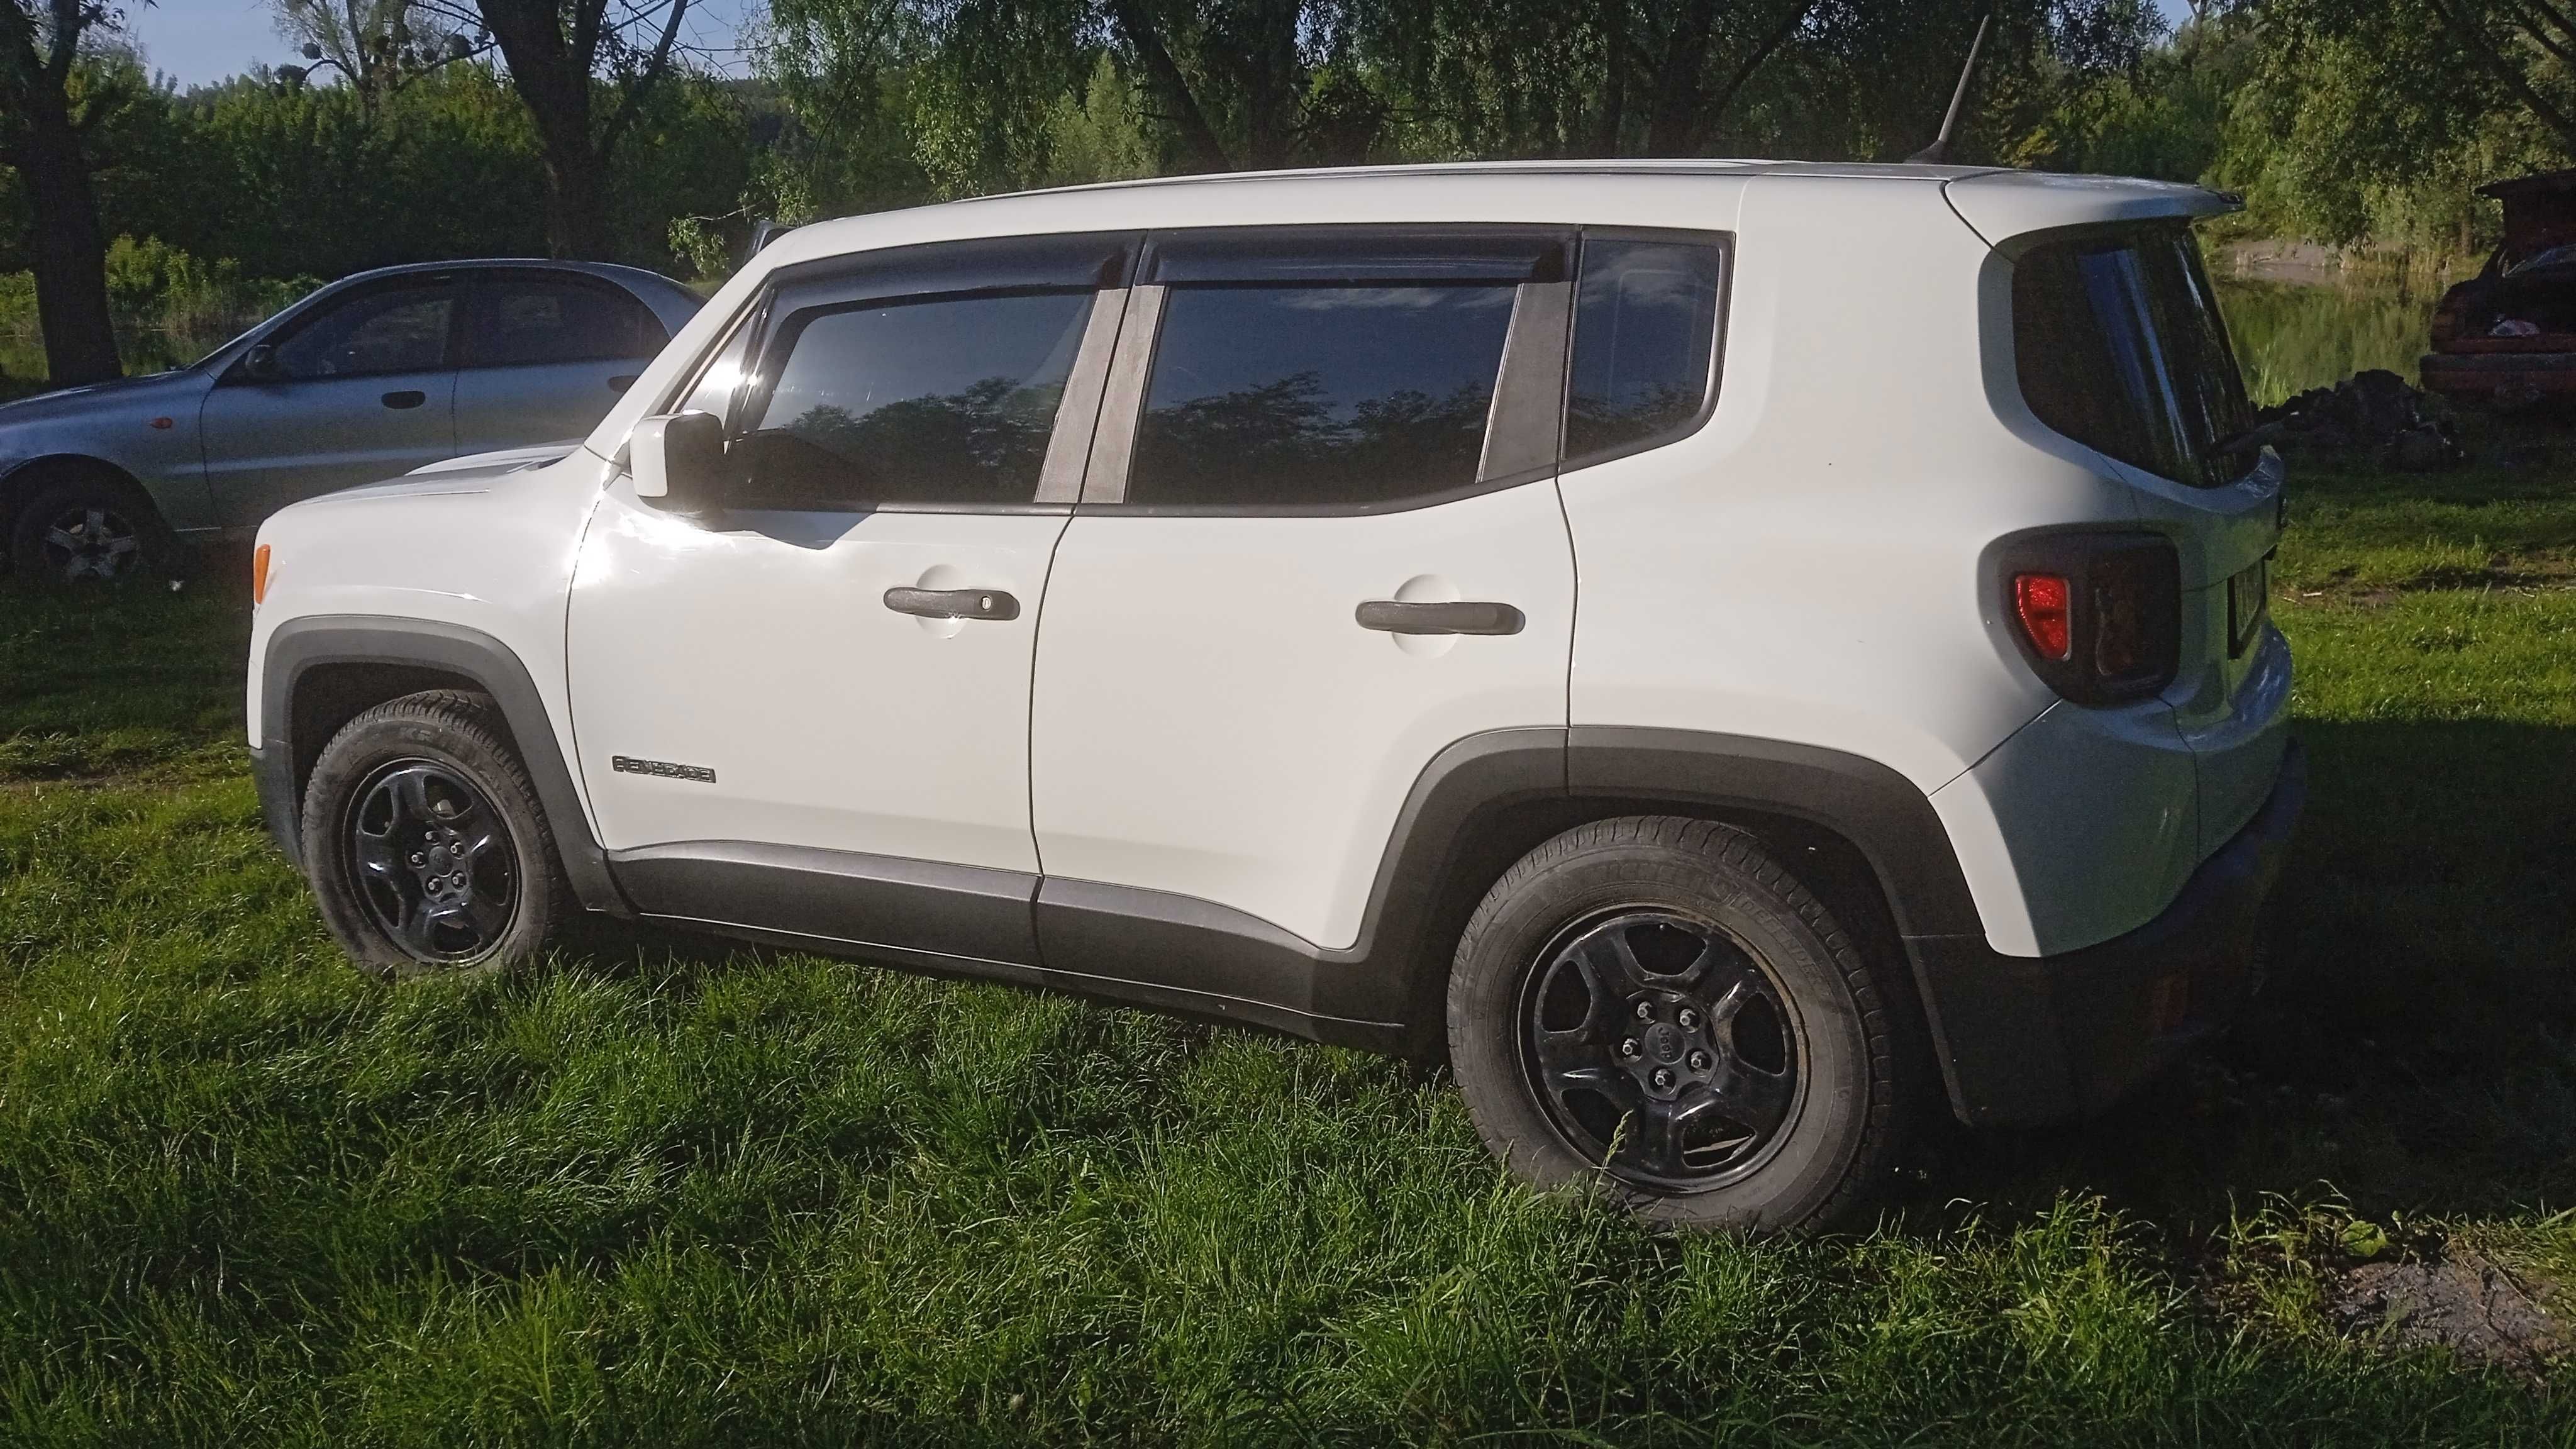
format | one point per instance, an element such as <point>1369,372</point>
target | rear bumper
<point>2033,1040</point>
<point>2478,373</point>
<point>276,781</point>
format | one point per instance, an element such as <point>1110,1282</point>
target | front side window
<point>1307,395</point>
<point>533,322</point>
<point>1645,339</point>
<point>2118,344</point>
<point>940,400</point>
<point>398,329</point>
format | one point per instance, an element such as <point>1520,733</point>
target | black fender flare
<point>298,646</point>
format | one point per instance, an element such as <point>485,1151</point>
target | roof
<point>1996,202</point>
<point>2537,184</point>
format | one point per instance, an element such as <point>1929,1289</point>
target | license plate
<point>2249,603</point>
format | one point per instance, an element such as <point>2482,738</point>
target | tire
<point>424,842</point>
<point>1777,1107</point>
<point>87,528</point>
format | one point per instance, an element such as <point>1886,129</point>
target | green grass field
<point>671,1191</point>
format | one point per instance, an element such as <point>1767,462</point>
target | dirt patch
<point>2533,573</point>
<point>2463,1301</point>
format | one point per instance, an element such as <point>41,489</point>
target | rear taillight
<point>2039,604</point>
<point>2098,615</point>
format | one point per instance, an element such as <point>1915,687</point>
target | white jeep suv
<point>1735,653</point>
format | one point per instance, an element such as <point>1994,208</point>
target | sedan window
<point>547,320</point>
<point>398,329</point>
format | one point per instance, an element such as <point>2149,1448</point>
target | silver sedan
<point>374,375</point>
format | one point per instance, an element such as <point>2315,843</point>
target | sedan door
<point>546,353</point>
<point>361,389</point>
<point>806,708</point>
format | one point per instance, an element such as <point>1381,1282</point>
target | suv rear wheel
<point>1656,1005</point>
<point>424,841</point>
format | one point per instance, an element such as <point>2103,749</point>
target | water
<point>2292,336</point>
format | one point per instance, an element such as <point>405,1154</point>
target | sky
<point>202,41</point>
<point>198,42</point>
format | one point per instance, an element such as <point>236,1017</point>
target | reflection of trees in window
<point>1282,443</point>
<point>1594,423</point>
<point>983,444</point>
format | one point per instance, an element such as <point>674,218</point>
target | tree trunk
<point>576,196</point>
<point>1673,119</point>
<point>1199,143</point>
<point>70,251</point>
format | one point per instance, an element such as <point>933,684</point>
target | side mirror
<point>259,364</point>
<point>677,459</point>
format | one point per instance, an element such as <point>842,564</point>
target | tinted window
<point>1645,329</point>
<point>525,323</point>
<point>1268,396</point>
<point>948,400</point>
<point>400,329</point>
<point>2119,346</point>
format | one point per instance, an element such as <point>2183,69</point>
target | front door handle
<point>410,397</point>
<point>1468,617</point>
<point>953,603</point>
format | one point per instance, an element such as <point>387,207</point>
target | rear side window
<point>2119,345</point>
<point>943,400</point>
<point>1645,343</point>
<point>533,321</point>
<point>1265,396</point>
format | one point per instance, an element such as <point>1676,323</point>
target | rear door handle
<point>410,397</point>
<point>1388,616</point>
<point>953,603</point>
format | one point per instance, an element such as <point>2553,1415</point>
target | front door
<point>361,390</point>
<point>1336,549</point>
<point>827,678</point>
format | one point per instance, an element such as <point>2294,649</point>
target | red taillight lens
<point>2040,603</point>
<point>2098,615</point>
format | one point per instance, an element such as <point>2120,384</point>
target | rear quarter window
<point>2119,345</point>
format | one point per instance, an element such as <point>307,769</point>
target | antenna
<point>1939,150</point>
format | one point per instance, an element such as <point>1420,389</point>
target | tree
<point>378,45</point>
<point>46,116</point>
<point>2528,46</point>
<point>569,60</point>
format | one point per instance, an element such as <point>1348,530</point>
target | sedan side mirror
<point>677,459</point>
<point>259,364</point>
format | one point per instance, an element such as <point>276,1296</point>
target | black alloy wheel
<point>431,861</point>
<point>1655,1007</point>
<point>89,540</point>
<point>1661,1049</point>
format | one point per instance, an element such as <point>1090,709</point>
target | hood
<point>71,402</point>
<point>476,467</point>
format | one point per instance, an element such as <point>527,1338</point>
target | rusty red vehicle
<point>2507,337</point>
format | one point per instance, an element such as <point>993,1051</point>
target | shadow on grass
<point>2415,1047</point>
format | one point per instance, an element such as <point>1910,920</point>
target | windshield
<point>2553,257</point>
<point>2119,345</point>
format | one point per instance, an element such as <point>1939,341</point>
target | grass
<point>667,1190</point>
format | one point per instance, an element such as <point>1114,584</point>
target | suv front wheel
<point>1656,1005</point>
<point>424,841</point>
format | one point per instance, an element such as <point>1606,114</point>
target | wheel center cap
<point>1664,1042</point>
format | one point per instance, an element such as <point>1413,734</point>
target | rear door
<point>363,389</point>
<point>546,353</point>
<point>1320,543</point>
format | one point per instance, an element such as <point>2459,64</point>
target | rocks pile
<point>2371,414</point>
